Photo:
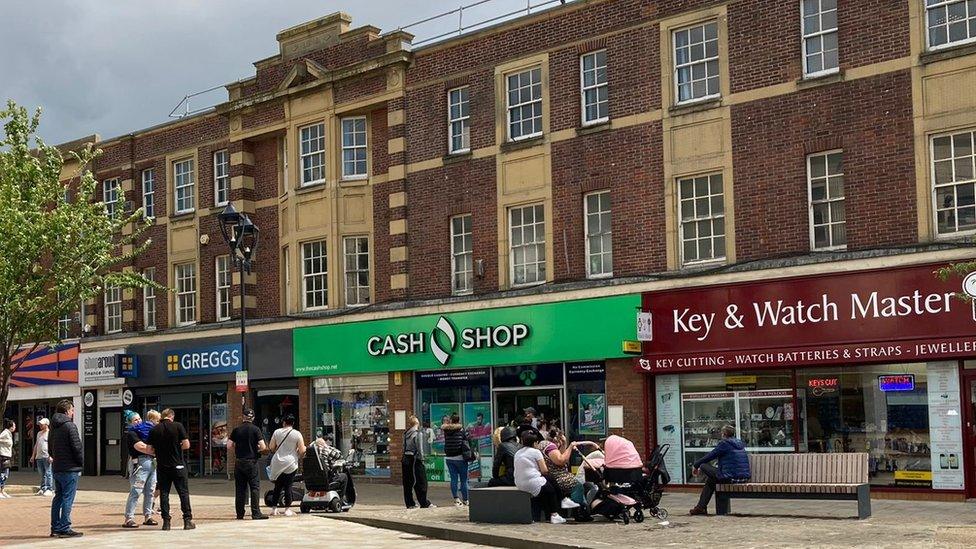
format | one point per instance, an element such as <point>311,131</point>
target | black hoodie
<point>64,445</point>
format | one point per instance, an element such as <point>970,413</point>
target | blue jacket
<point>733,461</point>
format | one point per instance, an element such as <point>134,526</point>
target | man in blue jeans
<point>64,445</point>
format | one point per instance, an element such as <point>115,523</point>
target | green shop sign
<point>585,329</point>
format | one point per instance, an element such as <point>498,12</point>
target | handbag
<point>466,452</point>
<point>267,469</point>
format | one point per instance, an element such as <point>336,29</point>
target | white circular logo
<point>127,397</point>
<point>89,399</point>
<point>969,285</point>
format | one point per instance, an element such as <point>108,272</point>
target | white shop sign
<point>98,369</point>
<point>945,426</point>
<point>110,398</point>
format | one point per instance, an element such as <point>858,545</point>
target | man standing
<point>42,457</point>
<point>733,466</point>
<point>64,445</point>
<point>530,417</point>
<point>142,473</point>
<point>168,440</point>
<point>248,444</point>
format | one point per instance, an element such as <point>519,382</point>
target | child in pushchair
<point>622,486</point>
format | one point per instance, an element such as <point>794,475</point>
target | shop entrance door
<point>191,420</point>
<point>969,439</point>
<point>111,441</point>
<point>548,402</point>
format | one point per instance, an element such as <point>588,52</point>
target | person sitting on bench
<point>733,466</point>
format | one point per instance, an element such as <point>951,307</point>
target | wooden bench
<point>501,505</point>
<point>802,476</point>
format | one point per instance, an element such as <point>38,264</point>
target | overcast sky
<point>114,66</point>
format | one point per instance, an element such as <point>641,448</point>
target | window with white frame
<point>524,104</point>
<point>357,270</point>
<point>950,22</point>
<point>312,153</point>
<point>148,193</point>
<point>110,195</point>
<point>113,308</point>
<point>186,293</point>
<point>819,37</point>
<point>149,300</point>
<point>221,163</point>
<point>462,255</point>
<point>315,276</point>
<point>701,204</point>
<point>184,184</point>
<point>222,272</point>
<point>458,120</point>
<point>825,173</point>
<point>599,235</point>
<point>527,237</point>
<point>954,182</point>
<point>354,147</point>
<point>64,322</point>
<point>594,88</point>
<point>696,62</point>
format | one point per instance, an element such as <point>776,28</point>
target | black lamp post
<point>241,235</point>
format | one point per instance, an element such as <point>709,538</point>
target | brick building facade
<point>718,132</point>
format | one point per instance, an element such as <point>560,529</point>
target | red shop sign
<point>893,315</point>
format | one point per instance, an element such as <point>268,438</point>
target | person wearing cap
<point>248,444</point>
<point>141,471</point>
<point>42,458</point>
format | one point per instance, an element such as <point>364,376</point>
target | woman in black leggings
<point>531,475</point>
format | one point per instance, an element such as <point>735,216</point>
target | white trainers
<point>567,503</point>
<point>289,513</point>
<point>274,511</point>
<point>556,519</point>
<point>457,502</point>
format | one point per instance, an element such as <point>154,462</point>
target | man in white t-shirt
<point>42,457</point>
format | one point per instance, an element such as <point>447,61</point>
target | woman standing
<point>42,458</point>
<point>531,476</point>
<point>6,454</point>
<point>455,437</point>
<point>288,446</point>
<point>414,472</point>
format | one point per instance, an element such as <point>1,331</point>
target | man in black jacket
<point>503,468</point>
<point>64,446</point>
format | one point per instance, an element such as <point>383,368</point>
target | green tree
<point>58,245</point>
<point>957,270</point>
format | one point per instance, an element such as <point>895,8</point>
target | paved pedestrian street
<point>381,521</point>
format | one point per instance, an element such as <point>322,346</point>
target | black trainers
<point>130,523</point>
<point>70,534</point>
<point>166,524</point>
<point>188,524</point>
<point>150,522</point>
<point>260,517</point>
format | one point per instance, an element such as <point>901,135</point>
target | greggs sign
<point>893,315</point>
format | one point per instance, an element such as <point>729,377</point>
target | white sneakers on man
<point>289,513</point>
<point>556,519</point>
<point>567,503</point>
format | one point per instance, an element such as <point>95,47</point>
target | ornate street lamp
<point>241,236</point>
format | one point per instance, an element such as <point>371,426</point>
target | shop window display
<point>881,410</point>
<point>354,410</point>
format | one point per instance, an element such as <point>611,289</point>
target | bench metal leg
<point>723,503</point>
<point>863,502</point>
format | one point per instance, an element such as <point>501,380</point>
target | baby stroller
<point>610,477</point>
<point>651,486</point>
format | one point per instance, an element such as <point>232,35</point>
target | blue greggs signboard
<point>215,359</point>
